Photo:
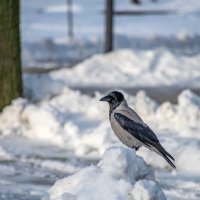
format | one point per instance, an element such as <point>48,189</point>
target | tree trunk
<point>10,65</point>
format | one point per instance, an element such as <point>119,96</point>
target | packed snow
<point>119,175</point>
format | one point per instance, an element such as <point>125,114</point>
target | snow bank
<point>87,15</point>
<point>80,124</point>
<point>185,117</point>
<point>182,118</point>
<point>119,175</point>
<point>63,53</point>
<point>65,119</point>
<point>128,68</point>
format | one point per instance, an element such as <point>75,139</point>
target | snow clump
<point>120,175</point>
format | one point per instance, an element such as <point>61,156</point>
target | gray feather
<point>144,134</point>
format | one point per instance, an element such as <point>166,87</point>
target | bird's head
<point>113,98</point>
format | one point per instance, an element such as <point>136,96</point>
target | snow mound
<point>69,119</point>
<point>158,67</point>
<point>183,117</point>
<point>119,175</point>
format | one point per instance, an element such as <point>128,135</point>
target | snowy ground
<point>57,131</point>
<point>44,30</point>
<point>43,142</point>
<point>38,18</point>
<point>119,175</point>
<point>121,69</point>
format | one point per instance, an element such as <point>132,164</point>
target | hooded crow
<point>130,128</point>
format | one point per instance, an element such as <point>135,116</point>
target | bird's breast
<point>124,136</point>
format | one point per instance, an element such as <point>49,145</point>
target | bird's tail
<point>161,151</point>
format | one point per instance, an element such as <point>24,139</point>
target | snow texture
<point>80,123</point>
<point>89,21</point>
<point>119,175</point>
<point>47,46</point>
<point>128,68</point>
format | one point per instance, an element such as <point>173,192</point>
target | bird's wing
<point>144,134</point>
<point>131,114</point>
<point>140,131</point>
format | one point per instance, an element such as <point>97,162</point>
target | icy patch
<point>120,175</point>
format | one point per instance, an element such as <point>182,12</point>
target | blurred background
<point>57,58</point>
<point>157,35</point>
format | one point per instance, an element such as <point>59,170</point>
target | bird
<point>129,127</point>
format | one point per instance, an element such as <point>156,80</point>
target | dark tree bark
<point>10,65</point>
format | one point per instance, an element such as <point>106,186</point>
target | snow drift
<point>119,175</point>
<point>69,119</point>
<point>128,68</point>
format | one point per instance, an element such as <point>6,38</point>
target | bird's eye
<point>114,98</point>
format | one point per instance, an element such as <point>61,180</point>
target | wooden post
<point>109,26</point>
<point>70,18</point>
<point>10,65</point>
<point>136,1</point>
<point>110,13</point>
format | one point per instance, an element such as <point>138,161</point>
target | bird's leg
<point>136,148</point>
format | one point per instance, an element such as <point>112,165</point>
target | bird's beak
<point>106,98</point>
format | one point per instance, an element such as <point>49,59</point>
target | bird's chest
<point>125,137</point>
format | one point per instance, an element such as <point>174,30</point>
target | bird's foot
<point>136,148</point>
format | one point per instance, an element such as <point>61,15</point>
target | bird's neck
<point>117,106</point>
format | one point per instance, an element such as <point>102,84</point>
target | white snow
<point>89,20</point>
<point>184,7</point>
<point>146,190</point>
<point>5,155</point>
<point>119,175</point>
<point>62,8</point>
<point>123,68</point>
<point>80,123</point>
<point>46,21</point>
<point>60,131</point>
